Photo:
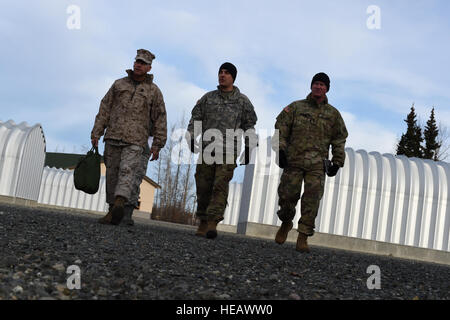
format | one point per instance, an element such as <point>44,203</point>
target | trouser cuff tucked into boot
<point>303,228</point>
<point>213,217</point>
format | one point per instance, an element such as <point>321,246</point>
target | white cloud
<point>180,95</point>
<point>367,135</point>
<point>258,91</point>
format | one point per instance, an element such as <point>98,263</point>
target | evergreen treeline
<point>415,144</point>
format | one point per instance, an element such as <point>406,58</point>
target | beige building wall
<point>102,169</point>
<point>146,196</point>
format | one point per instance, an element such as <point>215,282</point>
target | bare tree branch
<point>443,138</point>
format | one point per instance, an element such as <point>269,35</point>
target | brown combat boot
<point>202,228</point>
<point>107,218</point>
<point>302,245</point>
<point>127,214</point>
<point>118,210</point>
<point>282,233</point>
<point>211,232</point>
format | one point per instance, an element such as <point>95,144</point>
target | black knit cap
<point>230,68</point>
<point>323,78</point>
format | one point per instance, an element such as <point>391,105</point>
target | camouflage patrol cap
<point>145,56</point>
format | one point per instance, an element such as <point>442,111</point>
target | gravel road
<point>155,260</point>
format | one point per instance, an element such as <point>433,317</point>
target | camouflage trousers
<point>141,170</point>
<point>122,163</point>
<point>212,183</point>
<point>289,194</point>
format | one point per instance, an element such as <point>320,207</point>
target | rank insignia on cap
<point>286,109</point>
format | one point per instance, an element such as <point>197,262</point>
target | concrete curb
<point>355,244</point>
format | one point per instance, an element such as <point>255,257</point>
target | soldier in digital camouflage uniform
<point>307,129</point>
<point>127,111</point>
<point>223,109</point>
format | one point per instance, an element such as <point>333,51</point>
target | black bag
<point>86,176</point>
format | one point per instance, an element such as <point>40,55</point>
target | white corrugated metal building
<point>57,189</point>
<point>22,156</point>
<point>386,198</point>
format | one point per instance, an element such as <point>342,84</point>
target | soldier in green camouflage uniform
<point>128,109</point>
<point>226,111</point>
<point>307,129</point>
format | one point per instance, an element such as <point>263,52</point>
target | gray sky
<point>55,74</point>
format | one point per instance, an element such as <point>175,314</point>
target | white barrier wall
<point>234,203</point>
<point>378,197</point>
<point>22,157</point>
<point>57,188</point>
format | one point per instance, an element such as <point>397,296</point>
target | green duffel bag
<point>86,176</point>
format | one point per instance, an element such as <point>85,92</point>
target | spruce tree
<point>431,133</point>
<point>401,147</point>
<point>410,142</point>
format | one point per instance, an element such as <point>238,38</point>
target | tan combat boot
<point>302,245</point>
<point>211,232</point>
<point>202,228</point>
<point>118,210</point>
<point>282,233</point>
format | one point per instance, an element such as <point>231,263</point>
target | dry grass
<point>173,214</point>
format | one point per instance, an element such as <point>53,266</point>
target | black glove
<point>282,161</point>
<point>330,168</point>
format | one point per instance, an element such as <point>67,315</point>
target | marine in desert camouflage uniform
<point>219,110</point>
<point>307,129</point>
<point>127,111</point>
<point>133,202</point>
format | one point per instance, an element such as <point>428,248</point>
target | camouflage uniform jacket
<point>306,131</point>
<point>131,112</point>
<point>222,111</point>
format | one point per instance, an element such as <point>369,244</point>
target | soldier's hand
<point>330,168</point>
<point>282,159</point>
<point>154,154</point>
<point>333,170</point>
<point>94,142</point>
